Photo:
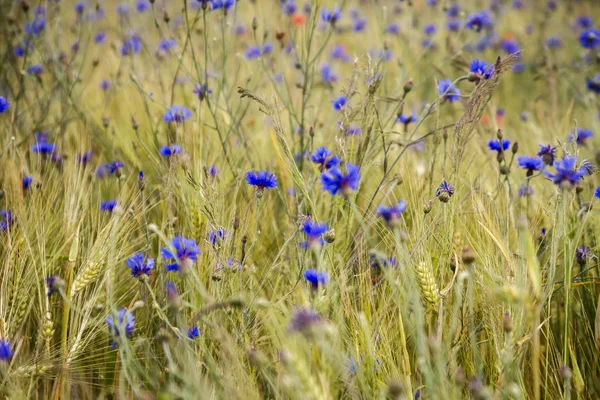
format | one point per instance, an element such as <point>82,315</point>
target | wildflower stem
<point>568,270</point>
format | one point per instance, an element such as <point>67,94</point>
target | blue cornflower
<point>582,135</point>
<point>303,321</point>
<point>108,205</point>
<point>168,151</point>
<point>509,45</point>
<point>261,179</point>
<point>448,91</point>
<point>584,22</point>
<point>216,237</point>
<point>79,7</point>
<point>252,52</point>
<point>499,146</point>
<point>224,4</point>
<point>583,254</point>
<point>36,26</point>
<point>525,190</point>
<point>142,5</point>
<point>172,294</point>
<point>193,332</point>
<point>530,163</point>
<point>593,84</point>
<point>124,323</point>
<point>479,20</point>
<point>186,253</point>
<point>140,265</point>
<point>316,278</point>
<point>4,104</point>
<point>54,284</point>
<point>331,16</point>
<point>453,10</point>
<point>353,130</point>
<point>35,69</point>
<point>109,169</point>
<point>167,44</point>
<point>339,102</point>
<point>6,219</point>
<point>202,91</point>
<point>597,192</point>
<point>26,182</point>
<point>327,74</point>
<point>518,68</point>
<point>314,232</point>
<point>99,38</point>
<point>566,172</point>
<point>393,29</point>
<point>359,24</point>
<point>43,148</point>
<point>325,158</point>
<point>378,262</point>
<point>104,85</point>
<point>339,53</point>
<point>213,170</point>
<point>444,192</point>
<point>429,29</point>
<point>590,38</point>
<point>481,69</point>
<point>177,114</point>
<point>131,46</point>
<point>392,214</point>
<point>289,7</point>
<point>553,42</point>
<point>5,351</point>
<point>19,50</point>
<point>453,24</point>
<point>407,119</point>
<point>115,166</point>
<point>334,181</point>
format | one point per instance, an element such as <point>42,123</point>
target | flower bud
<point>468,256</point>
<point>515,147</point>
<point>507,324</point>
<point>427,206</point>
<point>329,236</point>
<point>408,86</point>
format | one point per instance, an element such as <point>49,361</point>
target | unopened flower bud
<point>468,256</point>
<point>395,389</point>
<point>507,324</point>
<point>329,236</point>
<point>408,86</point>
<point>427,206</point>
<point>515,147</point>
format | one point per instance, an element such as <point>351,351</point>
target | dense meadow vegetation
<point>264,199</point>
